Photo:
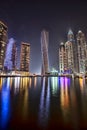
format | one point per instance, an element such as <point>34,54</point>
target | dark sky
<point>25,20</point>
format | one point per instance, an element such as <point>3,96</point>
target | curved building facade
<point>44,50</point>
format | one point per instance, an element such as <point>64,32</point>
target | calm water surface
<point>43,103</point>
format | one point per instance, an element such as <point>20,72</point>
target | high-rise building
<point>70,51</point>
<point>3,43</point>
<point>44,50</point>
<point>62,59</point>
<point>25,57</point>
<point>81,45</point>
<point>70,35</point>
<point>86,60</point>
<point>10,62</point>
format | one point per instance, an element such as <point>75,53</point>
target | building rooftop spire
<point>79,31</point>
<point>70,35</point>
<point>70,32</point>
<point>61,43</point>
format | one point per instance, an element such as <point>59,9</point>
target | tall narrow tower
<point>69,46</point>
<point>3,43</point>
<point>81,45</point>
<point>44,50</point>
<point>62,58</point>
<point>25,57</point>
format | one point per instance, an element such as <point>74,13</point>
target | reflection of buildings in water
<point>72,93</point>
<point>25,102</point>
<point>24,82</point>
<point>73,103</point>
<point>81,106</point>
<point>21,83</point>
<point>23,98</point>
<point>35,81</point>
<point>11,81</point>
<point>54,83</point>
<point>81,82</point>
<point>30,82</point>
<point>8,82</point>
<point>64,97</point>
<point>16,84</point>
<point>64,92</point>
<point>68,101</point>
<point>83,89</point>
<point>86,80</point>
<point>44,102</point>
<point>5,103</point>
<point>83,86</point>
<point>1,82</point>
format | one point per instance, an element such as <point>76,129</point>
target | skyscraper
<point>81,45</point>
<point>11,55</point>
<point>3,43</point>
<point>25,57</point>
<point>62,58</point>
<point>69,46</point>
<point>70,35</point>
<point>44,50</point>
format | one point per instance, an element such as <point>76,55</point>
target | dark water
<point>43,103</point>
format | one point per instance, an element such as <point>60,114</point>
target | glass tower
<point>3,43</point>
<point>62,59</point>
<point>44,50</point>
<point>11,55</point>
<point>82,46</point>
<point>25,57</point>
<point>69,46</point>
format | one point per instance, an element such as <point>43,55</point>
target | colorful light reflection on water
<point>5,103</point>
<point>43,103</point>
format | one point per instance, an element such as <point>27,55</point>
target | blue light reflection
<point>5,103</point>
<point>44,102</point>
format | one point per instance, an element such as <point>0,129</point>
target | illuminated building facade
<point>3,43</point>
<point>44,50</point>
<point>10,62</point>
<point>70,52</point>
<point>25,57</point>
<point>82,52</point>
<point>62,58</point>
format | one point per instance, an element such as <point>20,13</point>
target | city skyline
<point>26,19</point>
<point>73,54</point>
<point>72,51</point>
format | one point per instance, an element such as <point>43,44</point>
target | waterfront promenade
<point>47,75</point>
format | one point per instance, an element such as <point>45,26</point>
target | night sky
<point>26,19</point>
